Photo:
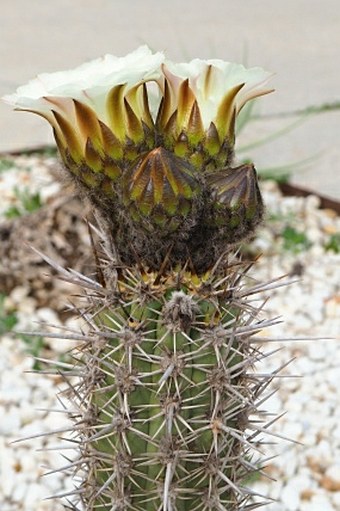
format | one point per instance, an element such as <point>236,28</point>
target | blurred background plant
<point>245,123</point>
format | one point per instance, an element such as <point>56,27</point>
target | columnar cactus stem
<point>164,404</point>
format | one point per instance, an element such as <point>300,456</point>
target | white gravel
<point>307,473</point>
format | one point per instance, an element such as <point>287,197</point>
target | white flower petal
<point>223,76</point>
<point>89,82</point>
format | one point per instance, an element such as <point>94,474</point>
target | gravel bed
<point>298,239</point>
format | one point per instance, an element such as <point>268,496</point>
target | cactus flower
<point>95,108</point>
<point>110,102</point>
<point>152,142</point>
<point>201,101</point>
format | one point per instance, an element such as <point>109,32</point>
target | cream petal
<point>89,81</point>
<point>211,80</point>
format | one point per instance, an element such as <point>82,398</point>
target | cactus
<point>166,396</point>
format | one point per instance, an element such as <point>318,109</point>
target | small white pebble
<point>48,316</point>
<point>19,492</point>
<point>320,503</point>
<point>35,494</point>
<point>291,497</point>
<point>10,422</point>
<point>335,496</point>
<point>333,472</point>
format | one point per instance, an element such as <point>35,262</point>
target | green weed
<point>6,164</point>
<point>8,319</point>
<point>294,241</point>
<point>48,151</point>
<point>27,203</point>
<point>35,344</point>
<point>333,244</point>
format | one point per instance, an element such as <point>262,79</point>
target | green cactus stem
<point>165,407</point>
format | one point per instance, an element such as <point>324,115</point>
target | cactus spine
<point>166,393</point>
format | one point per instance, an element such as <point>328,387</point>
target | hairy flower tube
<point>151,143</point>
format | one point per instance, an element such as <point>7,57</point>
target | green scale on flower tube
<point>237,205</point>
<point>160,186</point>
